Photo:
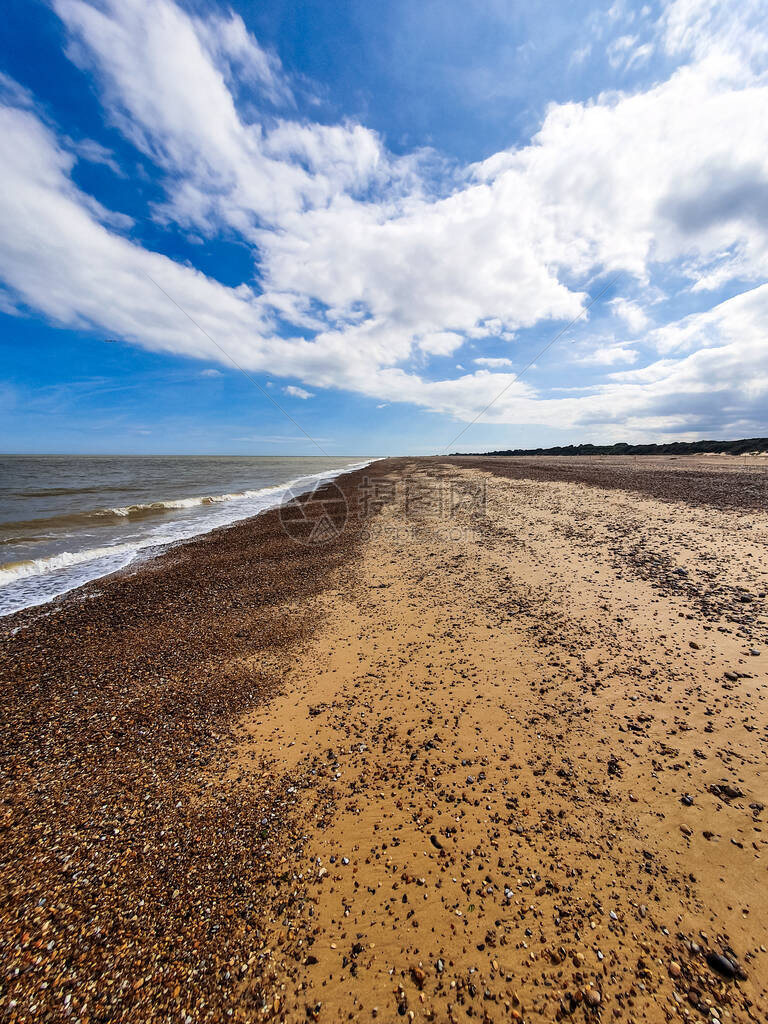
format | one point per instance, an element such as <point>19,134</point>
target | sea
<point>68,519</point>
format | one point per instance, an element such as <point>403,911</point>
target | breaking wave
<point>39,566</point>
<point>35,581</point>
<point>141,510</point>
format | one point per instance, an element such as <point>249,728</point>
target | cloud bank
<point>370,269</point>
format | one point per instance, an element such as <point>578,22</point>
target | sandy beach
<point>491,745</point>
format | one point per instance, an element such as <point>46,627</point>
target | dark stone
<point>721,964</point>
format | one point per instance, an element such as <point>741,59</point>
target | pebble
<point>721,964</point>
<point>592,997</point>
<point>532,863</point>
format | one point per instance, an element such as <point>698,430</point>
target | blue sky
<point>382,213</point>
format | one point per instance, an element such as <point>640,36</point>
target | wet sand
<point>496,751</point>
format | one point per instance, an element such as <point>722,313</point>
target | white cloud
<point>235,50</point>
<point>618,49</point>
<point>580,54</point>
<point>357,251</point>
<point>440,343</point>
<point>717,29</point>
<point>295,392</point>
<point>640,55</point>
<point>211,373</point>
<point>95,153</point>
<point>608,355</point>
<point>492,362</point>
<point>631,313</point>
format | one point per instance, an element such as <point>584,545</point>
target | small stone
<point>675,969</point>
<point>419,976</point>
<point>721,964</point>
<point>592,996</point>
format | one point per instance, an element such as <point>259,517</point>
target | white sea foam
<point>41,566</point>
<point>36,581</point>
<point>179,503</point>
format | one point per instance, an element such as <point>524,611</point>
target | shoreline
<point>221,730</point>
<point>115,710</point>
<point>140,553</point>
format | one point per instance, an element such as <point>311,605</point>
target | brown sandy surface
<point>433,768</point>
<point>133,877</point>
<point>491,735</point>
<point>724,481</point>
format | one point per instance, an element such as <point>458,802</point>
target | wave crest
<point>48,576</point>
<point>39,566</point>
<point>140,509</point>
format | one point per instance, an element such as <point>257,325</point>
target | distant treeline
<point>749,444</point>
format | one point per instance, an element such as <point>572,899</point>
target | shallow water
<point>68,519</point>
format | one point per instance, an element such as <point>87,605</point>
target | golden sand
<point>491,734</point>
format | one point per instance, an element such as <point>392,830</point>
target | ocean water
<point>68,519</point>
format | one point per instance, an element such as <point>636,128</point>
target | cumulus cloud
<point>296,392</point>
<point>440,343</point>
<point>608,355</point>
<point>492,362</point>
<point>368,269</point>
<point>631,313</point>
